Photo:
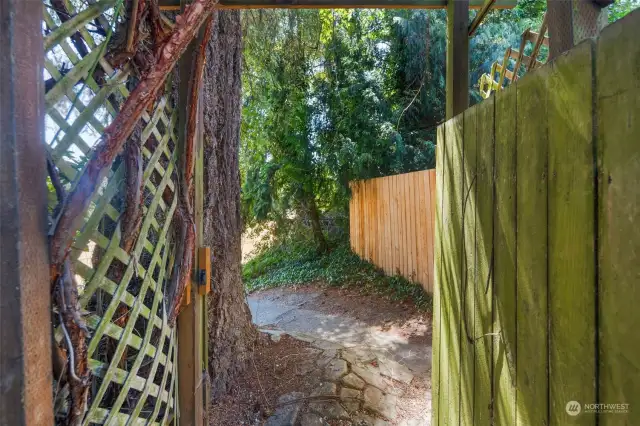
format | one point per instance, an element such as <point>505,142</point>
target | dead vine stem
<point>184,212</point>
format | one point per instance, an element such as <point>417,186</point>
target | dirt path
<point>392,329</point>
<point>368,356</point>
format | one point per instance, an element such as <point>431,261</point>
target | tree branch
<point>187,26</point>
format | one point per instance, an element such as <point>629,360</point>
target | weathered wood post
<point>457,57</point>
<point>25,326</point>
<point>571,21</point>
<point>192,322</point>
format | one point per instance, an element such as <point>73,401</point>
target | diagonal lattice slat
<point>132,350</point>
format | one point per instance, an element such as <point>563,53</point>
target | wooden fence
<point>391,224</point>
<point>537,242</point>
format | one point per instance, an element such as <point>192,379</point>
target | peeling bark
<point>185,213</point>
<point>132,215</point>
<point>116,134</point>
<point>184,261</point>
<point>75,333</point>
<point>194,98</point>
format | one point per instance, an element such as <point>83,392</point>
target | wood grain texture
<point>469,186</point>
<point>571,259</point>
<point>504,240</point>
<point>483,329</point>
<point>452,282</point>
<point>436,378</point>
<point>618,107</point>
<point>556,244</point>
<point>531,246</point>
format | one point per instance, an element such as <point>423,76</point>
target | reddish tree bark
<point>184,212</point>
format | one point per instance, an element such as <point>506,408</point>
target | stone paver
<point>336,369</point>
<point>286,415</point>
<point>304,337</point>
<point>371,377</point>
<point>312,419</point>
<point>358,356</point>
<point>358,377</point>
<point>329,410</point>
<point>350,399</point>
<point>327,344</point>
<point>325,388</point>
<point>353,381</point>
<point>395,370</point>
<point>376,401</point>
<point>365,420</point>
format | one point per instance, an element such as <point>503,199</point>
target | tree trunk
<point>231,333</point>
<point>314,216</point>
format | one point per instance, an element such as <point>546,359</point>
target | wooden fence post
<point>25,323</point>
<point>192,322</point>
<point>457,57</point>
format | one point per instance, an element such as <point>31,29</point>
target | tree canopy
<point>331,96</point>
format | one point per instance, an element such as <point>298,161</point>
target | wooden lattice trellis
<point>132,351</point>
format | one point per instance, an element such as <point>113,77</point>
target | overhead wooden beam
<point>457,57</point>
<point>482,12</point>
<point>340,4</point>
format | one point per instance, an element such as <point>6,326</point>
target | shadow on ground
<point>396,330</point>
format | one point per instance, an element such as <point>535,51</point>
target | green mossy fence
<point>132,352</point>
<point>537,244</point>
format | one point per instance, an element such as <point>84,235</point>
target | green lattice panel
<point>132,351</point>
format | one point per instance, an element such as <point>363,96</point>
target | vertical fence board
<point>381,225</point>
<point>396,220</point>
<point>505,259</point>
<point>388,248</point>
<point>483,332</point>
<point>450,364</point>
<point>469,186</point>
<point>434,207</point>
<point>415,213</point>
<point>531,205</point>
<point>364,229</point>
<point>423,235</point>
<point>437,282</point>
<point>571,236</point>
<point>405,252</point>
<point>406,256</point>
<point>361,222</point>
<point>618,107</point>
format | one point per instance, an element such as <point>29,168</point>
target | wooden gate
<point>537,242</point>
